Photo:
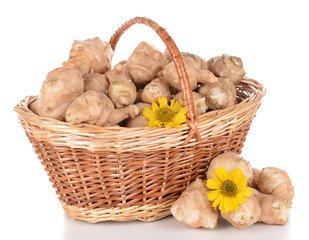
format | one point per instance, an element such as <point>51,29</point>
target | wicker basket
<point>121,174</point>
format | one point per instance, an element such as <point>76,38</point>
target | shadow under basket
<point>122,174</point>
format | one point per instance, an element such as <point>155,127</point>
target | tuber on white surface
<point>230,161</point>
<point>276,182</point>
<point>227,66</point>
<point>247,214</point>
<point>61,87</point>
<point>193,207</point>
<point>96,82</point>
<point>219,95</point>
<point>90,55</point>
<point>144,63</point>
<point>274,210</point>
<point>155,89</point>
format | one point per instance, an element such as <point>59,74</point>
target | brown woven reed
<point>121,174</point>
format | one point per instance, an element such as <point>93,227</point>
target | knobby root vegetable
<point>227,66</point>
<point>144,63</point>
<point>90,55</point>
<point>274,210</point>
<point>200,106</point>
<point>122,91</point>
<point>219,95</point>
<point>140,120</point>
<point>247,214</point>
<point>61,87</point>
<point>194,73</point>
<point>230,161</point>
<point>155,89</point>
<point>119,69</point>
<point>193,207</point>
<point>96,82</point>
<point>276,182</point>
<point>96,108</point>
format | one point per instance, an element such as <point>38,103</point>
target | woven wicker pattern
<point>120,174</point>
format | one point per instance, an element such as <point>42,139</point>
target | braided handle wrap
<point>179,64</point>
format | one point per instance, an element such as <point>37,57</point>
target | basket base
<point>145,213</point>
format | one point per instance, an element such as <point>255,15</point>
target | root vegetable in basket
<point>90,55</point>
<point>276,182</point>
<point>144,63</point>
<point>96,82</point>
<point>195,75</point>
<point>200,106</point>
<point>96,108</point>
<point>230,161</point>
<point>155,89</point>
<point>193,207</point>
<point>122,91</point>
<point>227,66</point>
<point>219,95</point>
<point>247,214</point>
<point>274,210</point>
<point>119,69</point>
<point>61,87</point>
<point>140,120</point>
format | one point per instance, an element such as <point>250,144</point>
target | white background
<point>272,39</point>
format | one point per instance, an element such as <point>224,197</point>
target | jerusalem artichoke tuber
<point>144,63</point>
<point>193,207</point>
<point>276,182</point>
<point>219,95</point>
<point>227,66</point>
<point>61,87</point>
<point>96,82</point>
<point>155,89</point>
<point>247,214</point>
<point>274,210</point>
<point>140,120</point>
<point>122,91</point>
<point>90,55</point>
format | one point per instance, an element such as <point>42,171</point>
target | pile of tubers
<point>270,201</point>
<point>86,90</point>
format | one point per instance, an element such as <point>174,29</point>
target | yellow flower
<point>228,191</point>
<point>172,115</point>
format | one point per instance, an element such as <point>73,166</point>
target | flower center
<point>165,115</point>
<point>228,188</point>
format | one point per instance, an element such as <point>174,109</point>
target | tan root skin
<point>61,87</point>
<point>219,95</point>
<point>90,55</point>
<point>96,108</point>
<point>227,66</point>
<point>274,210</point>
<point>247,214</point>
<point>96,82</point>
<point>230,161</point>
<point>122,91</point>
<point>155,89</point>
<point>144,63</point>
<point>276,182</point>
<point>193,207</point>
<point>255,178</point>
<point>200,106</point>
<point>119,69</point>
<point>140,120</point>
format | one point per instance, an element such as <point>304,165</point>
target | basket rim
<point>209,117</point>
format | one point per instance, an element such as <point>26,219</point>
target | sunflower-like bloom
<point>172,115</point>
<point>228,191</point>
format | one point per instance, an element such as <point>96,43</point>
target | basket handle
<point>179,64</point>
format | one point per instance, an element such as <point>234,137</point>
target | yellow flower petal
<point>221,174</point>
<point>246,191</point>
<point>217,202</point>
<point>155,107</point>
<point>162,102</point>
<point>176,106</point>
<point>235,175</point>
<point>213,195</point>
<point>213,183</point>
